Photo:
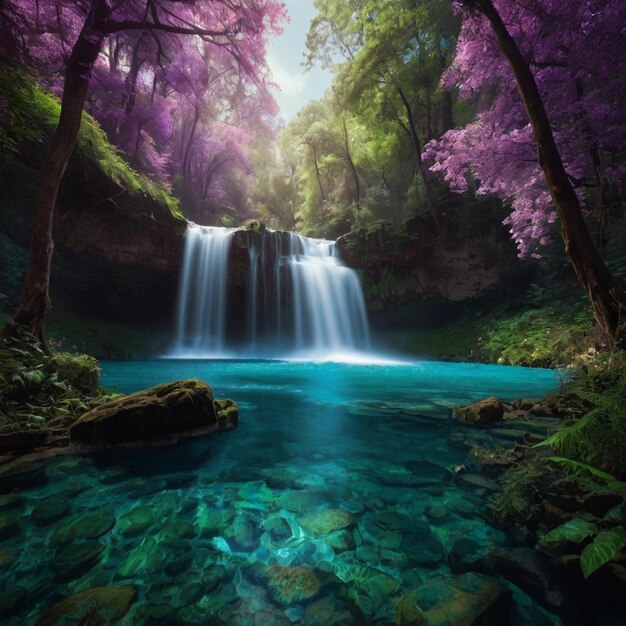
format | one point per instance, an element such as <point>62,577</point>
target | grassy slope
<point>549,336</point>
<point>33,115</point>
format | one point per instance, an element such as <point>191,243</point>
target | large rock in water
<point>465,600</point>
<point>483,413</point>
<point>161,414</point>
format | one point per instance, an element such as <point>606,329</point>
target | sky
<point>285,57</point>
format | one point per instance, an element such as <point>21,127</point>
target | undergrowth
<point>598,437</point>
<point>42,391</point>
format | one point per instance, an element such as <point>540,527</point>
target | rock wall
<point>418,263</point>
<point>117,255</point>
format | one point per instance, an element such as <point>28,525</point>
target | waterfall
<point>328,306</point>
<point>298,297</point>
<point>200,326</point>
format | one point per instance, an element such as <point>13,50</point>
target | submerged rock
<point>160,414</point>
<point>287,585</point>
<point>465,600</point>
<point>483,413</point>
<point>326,521</point>
<point>100,605</point>
<point>332,611</point>
<point>534,574</point>
<point>75,559</point>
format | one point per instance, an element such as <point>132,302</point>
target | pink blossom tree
<point>136,40</point>
<point>556,123</point>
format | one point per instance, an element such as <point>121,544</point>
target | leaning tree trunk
<point>35,301</point>
<point>606,294</point>
<point>418,152</point>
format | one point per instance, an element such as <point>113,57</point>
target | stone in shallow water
<point>437,512</point>
<point>477,482</point>
<point>332,611</point>
<point>100,606</point>
<point>483,413</point>
<point>213,576</point>
<point>178,566</point>
<point>89,526</point>
<point>428,470</point>
<point>423,547</point>
<point>50,509</point>
<point>464,506</point>
<point>395,477</point>
<point>278,529</point>
<point>12,599</point>
<point>300,501</point>
<point>282,481</point>
<point>7,556</point>
<point>370,588</point>
<point>392,520</point>
<point>326,521</point>
<point>176,530</point>
<point>154,613</point>
<point>162,413</point>
<point>341,541</point>
<point>10,500</point>
<point>243,534</point>
<point>464,555</point>
<point>75,559</point>
<point>9,523</point>
<point>465,600</point>
<point>287,584</point>
<point>139,519</point>
<point>210,522</point>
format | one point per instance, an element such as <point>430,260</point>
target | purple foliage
<point>574,48</point>
<point>176,104</point>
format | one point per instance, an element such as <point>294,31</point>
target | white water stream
<point>300,299</point>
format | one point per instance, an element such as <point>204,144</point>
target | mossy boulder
<point>482,413</point>
<point>161,414</point>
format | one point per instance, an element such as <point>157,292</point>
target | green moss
<point>550,336</point>
<point>33,116</point>
<point>39,391</point>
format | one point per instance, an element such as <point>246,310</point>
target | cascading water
<point>200,327</point>
<point>298,297</point>
<point>328,306</point>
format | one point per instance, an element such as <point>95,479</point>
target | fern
<point>612,483</point>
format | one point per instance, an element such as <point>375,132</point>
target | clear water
<point>197,526</point>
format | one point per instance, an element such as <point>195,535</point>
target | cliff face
<point>117,254</point>
<point>418,263</point>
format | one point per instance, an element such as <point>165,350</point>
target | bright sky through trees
<point>285,57</point>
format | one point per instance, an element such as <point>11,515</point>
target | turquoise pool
<point>336,492</point>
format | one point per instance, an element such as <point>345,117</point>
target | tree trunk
<point>35,301</point>
<point>418,151</point>
<point>192,136</point>
<point>606,293</point>
<point>447,117</point>
<point>355,175</point>
<point>317,172</point>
